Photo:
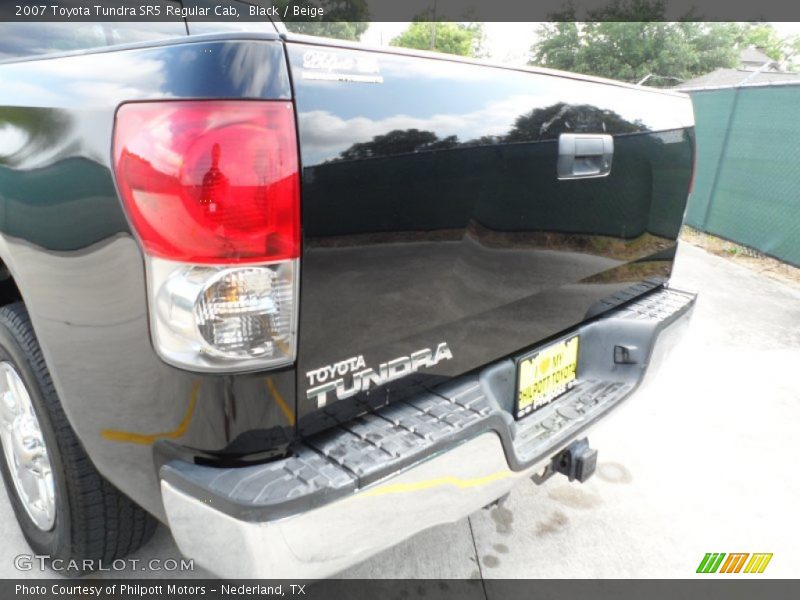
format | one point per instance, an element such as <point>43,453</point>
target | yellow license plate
<point>545,375</point>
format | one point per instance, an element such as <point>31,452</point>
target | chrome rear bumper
<point>323,541</point>
<point>334,505</point>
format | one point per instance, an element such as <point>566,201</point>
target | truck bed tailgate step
<point>357,453</point>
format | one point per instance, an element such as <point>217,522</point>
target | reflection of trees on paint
<point>552,121</point>
<point>538,125</point>
<point>399,141</point>
<point>37,131</point>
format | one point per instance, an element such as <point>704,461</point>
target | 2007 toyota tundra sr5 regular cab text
<point>299,300</point>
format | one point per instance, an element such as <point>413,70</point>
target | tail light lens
<point>212,191</point>
<point>210,182</point>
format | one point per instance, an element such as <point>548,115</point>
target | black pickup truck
<point>299,299</point>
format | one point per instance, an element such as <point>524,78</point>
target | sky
<point>506,42</point>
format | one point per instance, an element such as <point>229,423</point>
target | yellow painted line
<point>405,488</point>
<point>276,395</point>
<point>147,439</point>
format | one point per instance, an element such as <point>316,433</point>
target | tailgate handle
<point>583,155</point>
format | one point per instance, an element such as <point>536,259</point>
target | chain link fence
<point>747,182</point>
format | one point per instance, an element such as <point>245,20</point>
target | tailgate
<point>438,234</point>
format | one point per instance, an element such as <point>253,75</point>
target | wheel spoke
<point>44,492</point>
<point>8,410</point>
<point>6,377</point>
<point>25,449</point>
<point>17,388</point>
<point>29,482</point>
<point>9,402</point>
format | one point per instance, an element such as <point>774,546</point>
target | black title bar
<point>393,10</point>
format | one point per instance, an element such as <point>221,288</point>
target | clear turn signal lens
<point>213,318</point>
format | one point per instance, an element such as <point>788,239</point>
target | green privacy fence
<point>747,183</point>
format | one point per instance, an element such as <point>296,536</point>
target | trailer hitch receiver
<point>576,461</point>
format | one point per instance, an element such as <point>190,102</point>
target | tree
<point>463,39</point>
<point>629,39</point>
<point>764,37</point>
<point>795,50</point>
<point>343,19</point>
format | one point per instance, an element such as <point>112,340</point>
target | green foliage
<point>343,30</point>
<point>629,40</point>
<point>764,36</point>
<point>794,49</point>
<point>463,39</point>
<point>343,19</point>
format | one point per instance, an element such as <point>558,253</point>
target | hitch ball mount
<point>576,461</point>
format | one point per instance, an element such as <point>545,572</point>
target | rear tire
<point>93,520</point>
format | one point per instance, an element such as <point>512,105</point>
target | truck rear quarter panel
<point>66,241</point>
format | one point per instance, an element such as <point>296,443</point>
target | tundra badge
<point>363,377</point>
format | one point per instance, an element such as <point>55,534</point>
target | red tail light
<point>210,182</point>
